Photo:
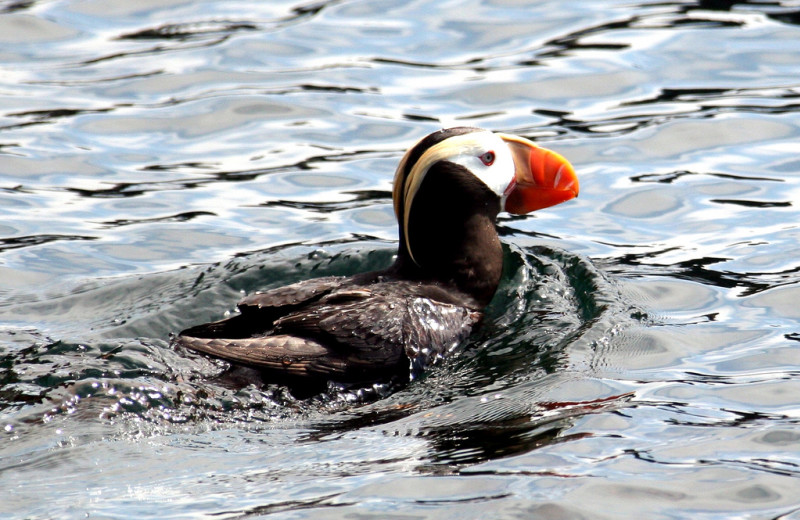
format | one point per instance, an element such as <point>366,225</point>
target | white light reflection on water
<point>158,159</point>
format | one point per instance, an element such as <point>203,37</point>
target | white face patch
<point>497,175</point>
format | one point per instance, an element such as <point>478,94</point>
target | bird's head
<point>514,174</point>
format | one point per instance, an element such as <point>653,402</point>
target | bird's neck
<point>464,255</point>
<point>449,237</point>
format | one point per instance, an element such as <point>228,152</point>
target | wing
<point>376,327</point>
<point>259,310</point>
<point>349,334</point>
<point>290,296</point>
<point>288,354</point>
<point>292,355</point>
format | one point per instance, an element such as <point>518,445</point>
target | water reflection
<point>159,158</point>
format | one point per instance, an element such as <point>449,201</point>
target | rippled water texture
<point>160,158</point>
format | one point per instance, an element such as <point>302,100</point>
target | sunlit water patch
<point>547,318</point>
<point>158,160</point>
<point>529,382</point>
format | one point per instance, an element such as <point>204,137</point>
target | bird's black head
<point>454,175</point>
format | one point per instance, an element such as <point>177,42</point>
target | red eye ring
<point>487,158</point>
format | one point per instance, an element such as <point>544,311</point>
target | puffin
<point>391,324</point>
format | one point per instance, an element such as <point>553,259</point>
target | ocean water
<point>158,160</point>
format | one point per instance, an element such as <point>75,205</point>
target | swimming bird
<point>448,190</point>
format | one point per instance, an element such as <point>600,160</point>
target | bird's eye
<point>487,158</point>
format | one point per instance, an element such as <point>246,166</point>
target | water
<point>157,159</point>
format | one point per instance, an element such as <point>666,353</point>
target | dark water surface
<point>159,159</point>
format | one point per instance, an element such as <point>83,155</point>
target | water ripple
<point>159,158</point>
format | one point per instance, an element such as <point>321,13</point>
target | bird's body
<point>448,190</point>
<point>359,329</point>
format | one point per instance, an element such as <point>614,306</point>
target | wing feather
<point>293,295</point>
<point>326,327</point>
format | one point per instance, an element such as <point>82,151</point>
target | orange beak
<point>542,178</point>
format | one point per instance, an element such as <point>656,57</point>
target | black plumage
<point>376,325</point>
<point>346,329</point>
